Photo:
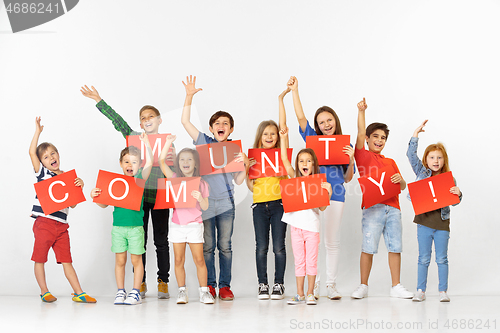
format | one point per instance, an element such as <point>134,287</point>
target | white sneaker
<point>133,298</point>
<point>205,296</point>
<point>443,296</point>
<point>360,292</point>
<point>311,300</point>
<point>332,293</point>
<point>419,296</point>
<point>120,297</point>
<point>316,289</point>
<point>182,297</point>
<point>400,292</point>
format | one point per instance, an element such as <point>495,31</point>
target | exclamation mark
<point>432,191</point>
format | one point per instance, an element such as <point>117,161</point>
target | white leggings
<point>330,220</point>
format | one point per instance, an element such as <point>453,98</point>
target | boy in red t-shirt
<point>384,217</point>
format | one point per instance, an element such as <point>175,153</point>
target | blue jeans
<point>267,215</point>
<point>425,237</point>
<point>218,217</point>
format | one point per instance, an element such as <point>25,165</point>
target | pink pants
<point>305,245</point>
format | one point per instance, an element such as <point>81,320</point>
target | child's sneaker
<point>162,290</point>
<point>419,296</point>
<point>316,289</point>
<point>48,297</point>
<point>360,292</point>
<point>443,296</point>
<point>120,297</point>
<point>263,291</point>
<point>296,300</point>
<point>205,296</point>
<point>400,292</point>
<point>226,294</point>
<point>133,298</point>
<point>331,292</point>
<point>83,298</point>
<point>182,297</point>
<point>311,300</point>
<point>144,289</point>
<point>278,291</point>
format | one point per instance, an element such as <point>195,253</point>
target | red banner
<point>432,193</point>
<point>176,192</point>
<point>329,148</point>
<point>377,187</point>
<point>219,157</point>
<point>59,192</point>
<point>119,190</point>
<point>267,163</point>
<point>157,142</point>
<point>304,193</point>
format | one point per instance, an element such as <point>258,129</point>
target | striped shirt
<point>36,211</point>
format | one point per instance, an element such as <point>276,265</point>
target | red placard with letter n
<point>304,193</point>
<point>432,193</point>
<point>219,157</point>
<point>176,192</point>
<point>329,148</point>
<point>59,192</point>
<point>119,190</point>
<point>157,141</point>
<point>268,163</point>
<point>377,187</point>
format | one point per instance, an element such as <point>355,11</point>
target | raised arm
<point>186,111</point>
<point>293,84</point>
<point>284,155</point>
<point>360,140</point>
<point>163,165</point>
<point>282,113</point>
<point>149,157</point>
<point>411,153</point>
<point>91,93</point>
<point>35,161</point>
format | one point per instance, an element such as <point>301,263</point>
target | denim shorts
<point>380,219</point>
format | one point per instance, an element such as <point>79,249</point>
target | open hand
<point>190,85</point>
<point>420,128</point>
<point>90,93</point>
<point>39,127</point>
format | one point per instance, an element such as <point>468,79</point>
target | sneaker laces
<point>278,288</point>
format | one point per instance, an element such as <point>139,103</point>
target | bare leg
<point>310,284</point>
<point>365,264</point>
<point>136,260</point>
<point>40,277</point>
<point>70,273</point>
<point>180,258</point>
<point>395,267</point>
<point>300,285</point>
<point>120,261</point>
<point>199,261</point>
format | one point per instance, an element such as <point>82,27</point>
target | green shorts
<point>129,239</point>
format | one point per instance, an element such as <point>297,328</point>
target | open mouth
<point>220,132</point>
<point>130,171</point>
<point>305,171</point>
<point>53,164</point>
<point>378,145</point>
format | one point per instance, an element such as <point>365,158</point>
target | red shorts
<point>51,234</point>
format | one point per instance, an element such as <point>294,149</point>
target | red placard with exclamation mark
<point>432,193</point>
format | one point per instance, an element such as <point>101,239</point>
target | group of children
<point>209,225</point>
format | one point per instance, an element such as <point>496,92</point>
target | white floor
<point>373,314</point>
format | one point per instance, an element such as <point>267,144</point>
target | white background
<point>412,60</point>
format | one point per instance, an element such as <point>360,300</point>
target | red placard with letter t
<point>304,193</point>
<point>432,193</point>
<point>176,192</point>
<point>157,141</point>
<point>329,148</point>
<point>219,157</point>
<point>119,190</point>
<point>268,163</point>
<point>59,192</point>
<point>377,187</point>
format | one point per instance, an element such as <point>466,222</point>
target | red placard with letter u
<point>157,141</point>
<point>432,193</point>
<point>176,192</point>
<point>377,187</point>
<point>329,148</point>
<point>119,190</point>
<point>304,193</point>
<point>219,157</point>
<point>59,192</point>
<point>268,163</point>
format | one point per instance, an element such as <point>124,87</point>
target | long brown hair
<point>196,157</point>
<point>315,168</point>
<point>437,146</point>
<point>338,128</point>
<point>260,130</point>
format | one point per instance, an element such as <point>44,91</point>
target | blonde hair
<point>42,148</point>
<point>437,146</point>
<point>260,130</point>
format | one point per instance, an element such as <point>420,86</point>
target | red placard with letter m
<point>59,192</point>
<point>304,193</point>
<point>119,190</point>
<point>157,141</point>
<point>176,192</point>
